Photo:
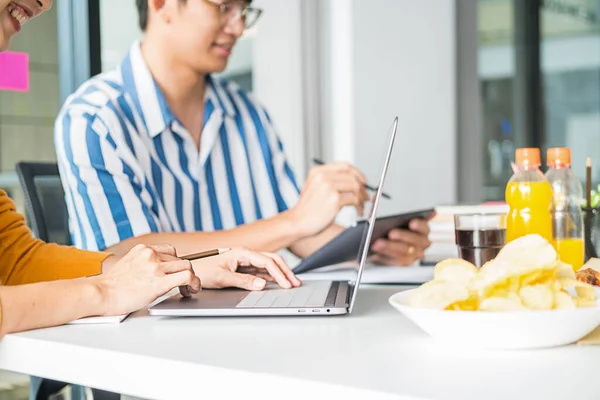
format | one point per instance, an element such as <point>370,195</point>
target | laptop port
<point>316,310</point>
<point>301,310</point>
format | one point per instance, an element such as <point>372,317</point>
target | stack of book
<point>442,228</point>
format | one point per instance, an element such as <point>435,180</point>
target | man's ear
<point>159,8</point>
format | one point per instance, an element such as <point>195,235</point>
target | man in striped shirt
<point>159,151</point>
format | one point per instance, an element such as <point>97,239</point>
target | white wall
<point>277,73</point>
<point>118,29</point>
<point>400,61</point>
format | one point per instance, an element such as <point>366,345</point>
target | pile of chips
<point>526,275</point>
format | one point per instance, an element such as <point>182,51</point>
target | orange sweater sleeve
<point>24,259</point>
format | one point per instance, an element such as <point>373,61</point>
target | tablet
<point>344,247</point>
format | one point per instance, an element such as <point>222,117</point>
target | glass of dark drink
<point>479,237</point>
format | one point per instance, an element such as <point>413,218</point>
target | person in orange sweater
<point>46,284</point>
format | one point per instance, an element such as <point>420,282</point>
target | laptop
<point>312,298</point>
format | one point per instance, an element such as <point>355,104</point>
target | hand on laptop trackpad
<point>273,286</point>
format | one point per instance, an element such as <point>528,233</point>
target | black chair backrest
<point>45,205</point>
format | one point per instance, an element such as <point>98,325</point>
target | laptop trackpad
<point>205,299</point>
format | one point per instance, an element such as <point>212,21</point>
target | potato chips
<point>526,275</point>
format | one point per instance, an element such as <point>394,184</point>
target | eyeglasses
<point>232,10</point>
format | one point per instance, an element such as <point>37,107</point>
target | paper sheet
<point>115,319</point>
<point>373,274</point>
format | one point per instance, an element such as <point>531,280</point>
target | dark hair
<point>142,6</point>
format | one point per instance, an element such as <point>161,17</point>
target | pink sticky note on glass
<point>14,71</point>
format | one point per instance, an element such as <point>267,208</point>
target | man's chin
<point>216,68</point>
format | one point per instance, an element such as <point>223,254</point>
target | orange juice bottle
<point>567,218</point>
<point>529,197</point>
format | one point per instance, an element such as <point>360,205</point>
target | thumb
<point>243,281</point>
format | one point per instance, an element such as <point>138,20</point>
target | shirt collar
<point>219,92</point>
<point>150,100</point>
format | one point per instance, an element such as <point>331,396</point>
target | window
<point>539,68</point>
<point>27,116</point>
<point>497,75</point>
<point>570,52</point>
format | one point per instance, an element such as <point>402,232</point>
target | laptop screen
<point>370,223</point>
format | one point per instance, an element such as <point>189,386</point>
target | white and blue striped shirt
<point>130,168</point>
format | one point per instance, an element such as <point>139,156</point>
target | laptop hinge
<point>331,296</point>
<point>351,288</point>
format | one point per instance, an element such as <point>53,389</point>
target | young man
<point>159,151</point>
<point>38,281</point>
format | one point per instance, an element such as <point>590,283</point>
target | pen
<point>196,256</point>
<point>204,254</point>
<point>387,196</point>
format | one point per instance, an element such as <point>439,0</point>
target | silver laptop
<point>312,298</point>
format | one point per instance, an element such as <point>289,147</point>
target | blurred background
<point>471,80</point>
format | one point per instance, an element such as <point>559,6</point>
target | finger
<point>412,238</point>
<point>175,267</point>
<point>272,268</point>
<point>163,257</point>
<point>182,278</point>
<point>399,251</point>
<point>191,289</point>
<point>393,249</point>
<point>348,169</point>
<point>171,267</point>
<point>259,273</point>
<point>381,259</point>
<point>350,199</point>
<point>287,271</point>
<point>263,275</point>
<point>265,262</point>
<point>166,249</point>
<point>195,286</point>
<point>249,270</point>
<point>345,183</point>
<point>184,291</point>
<point>242,281</point>
<point>403,261</point>
<point>420,226</point>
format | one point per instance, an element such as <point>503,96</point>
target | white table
<point>374,353</point>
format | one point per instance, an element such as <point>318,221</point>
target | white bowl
<point>501,329</point>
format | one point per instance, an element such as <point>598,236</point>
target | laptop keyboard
<point>310,294</point>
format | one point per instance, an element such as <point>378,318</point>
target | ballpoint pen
<point>385,195</point>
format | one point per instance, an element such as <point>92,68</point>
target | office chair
<point>45,206</point>
<point>47,216</point>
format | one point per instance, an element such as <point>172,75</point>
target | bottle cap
<point>558,156</point>
<point>528,157</point>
